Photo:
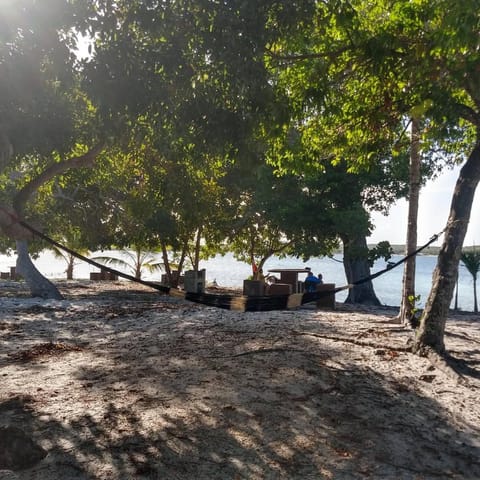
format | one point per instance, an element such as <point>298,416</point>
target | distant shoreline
<point>400,249</point>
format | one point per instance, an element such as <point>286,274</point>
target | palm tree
<point>73,241</point>
<point>471,260</point>
<point>135,261</point>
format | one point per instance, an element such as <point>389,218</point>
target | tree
<point>275,215</point>
<point>453,110</point>
<point>408,287</point>
<point>337,204</point>
<point>341,115</point>
<point>179,67</point>
<point>41,108</point>
<point>471,260</point>
<point>135,260</point>
<point>154,198</point>
<point>390,59</point>
<point>73,241</point>
<point>254,234</point>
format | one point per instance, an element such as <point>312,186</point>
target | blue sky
<point>435,200</point>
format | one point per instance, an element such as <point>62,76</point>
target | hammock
<point>234,302</point>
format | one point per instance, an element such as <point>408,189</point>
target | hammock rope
<point>53,242</point>
<point>233,302</point>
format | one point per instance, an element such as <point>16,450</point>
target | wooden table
<point>290,276</point>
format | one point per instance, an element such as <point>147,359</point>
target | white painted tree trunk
<point>38,284</point>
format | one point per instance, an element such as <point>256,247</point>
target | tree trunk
<point>355,263</point>
<point>406,315</point>
<point>175,280</point>
<point>196,260</point>
<point>456,296</point>
<point>138,264</point>
<point>432,324</point>
<point>70,266</point>
<point>39,285</point>
<point>475,303</point>
<point>166,261</point>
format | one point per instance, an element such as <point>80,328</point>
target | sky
<point>435,200</point>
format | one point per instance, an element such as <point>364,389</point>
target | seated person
<point>271,279</point>
<point>311,282</point>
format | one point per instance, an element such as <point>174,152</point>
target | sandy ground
<point>119,382</point>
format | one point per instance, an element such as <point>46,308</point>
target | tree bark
<point>196,260</point>
<point>183,256</point>
<point>70,267</point>
<point>356,265</point>
<point>39,285</point>
<point>406,315</point>
<point>138,264</point>
<point>432,323</point>
<point>166,261</point>
<point>475,303</point>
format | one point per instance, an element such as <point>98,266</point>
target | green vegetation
<point>262,128</point>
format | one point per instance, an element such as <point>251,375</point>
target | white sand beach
<point>120,382</point>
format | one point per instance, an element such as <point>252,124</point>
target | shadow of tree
<point>188,394</point>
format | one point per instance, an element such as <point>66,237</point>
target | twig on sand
<point>264,351</point>
<point>269,350</point>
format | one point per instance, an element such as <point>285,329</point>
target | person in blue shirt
<point>311,282</point>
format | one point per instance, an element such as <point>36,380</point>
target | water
<point>388,286</point>
<point>230,273</point>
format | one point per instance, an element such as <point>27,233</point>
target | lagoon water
<point>228,272</point>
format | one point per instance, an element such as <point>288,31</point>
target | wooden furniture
<point>279,289</point>
<point>290,276</point>
<point>103,275</point>
<point>328,300</point>
<point>253,288</point>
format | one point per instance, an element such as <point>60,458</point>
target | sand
<point>120,382</point>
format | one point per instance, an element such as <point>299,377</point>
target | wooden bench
<point>103,275</point>
<point>326,301</point>
<point>279,289</point>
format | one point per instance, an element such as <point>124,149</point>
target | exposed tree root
<point>355,341</point>
<point>454,368</point>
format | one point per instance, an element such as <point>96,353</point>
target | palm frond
<point>115,262</point>
<point>153,267</point>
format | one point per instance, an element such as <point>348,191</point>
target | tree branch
<point>469,114</point>
<point>86,160</point>
<point>355,341</point>
<point>295,57</point>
